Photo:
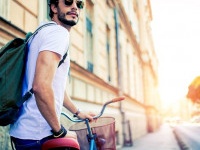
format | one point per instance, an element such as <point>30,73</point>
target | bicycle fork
<point>91,137</point>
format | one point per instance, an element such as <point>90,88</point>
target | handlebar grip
<point>118,99</point>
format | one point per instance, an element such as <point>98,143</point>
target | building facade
<point>112,54</point>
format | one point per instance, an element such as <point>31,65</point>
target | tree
<point>194,90</point>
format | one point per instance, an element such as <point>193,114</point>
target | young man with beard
<point>39,118</point>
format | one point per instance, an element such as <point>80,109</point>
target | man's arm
<point>68,104</point>
<point>46,66</point>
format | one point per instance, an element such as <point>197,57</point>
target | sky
<point>176,34</point>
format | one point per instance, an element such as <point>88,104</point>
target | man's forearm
<point>46,104</point>
<point>68,104</point>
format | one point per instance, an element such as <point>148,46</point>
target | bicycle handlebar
<point>118,99</point>
<point>101,112</point>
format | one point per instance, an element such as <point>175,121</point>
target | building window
<point>89,36</point>
<point>43,12</point>
<point>48,10</point>
<point>4,6</point>
<point>108,52</point>
<point>89,45</point>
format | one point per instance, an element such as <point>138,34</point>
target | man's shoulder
<point>52,27</point>
<point>48,26</point>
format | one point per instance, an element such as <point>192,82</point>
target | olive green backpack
<point>13,57</point>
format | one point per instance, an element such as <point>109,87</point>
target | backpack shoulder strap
<point>63,59</point>
<point>29,35</point>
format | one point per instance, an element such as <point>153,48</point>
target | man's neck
<point>60,23</point>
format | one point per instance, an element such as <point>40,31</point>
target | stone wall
<point>5,138</point>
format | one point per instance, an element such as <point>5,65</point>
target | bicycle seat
<point>60,143</point>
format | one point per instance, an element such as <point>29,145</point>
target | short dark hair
<point>55,2</point>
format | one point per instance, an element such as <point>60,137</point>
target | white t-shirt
<point>31,124</point>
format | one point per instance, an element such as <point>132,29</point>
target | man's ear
<point>54,8</point>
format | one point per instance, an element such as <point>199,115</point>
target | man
<point>39,116</point>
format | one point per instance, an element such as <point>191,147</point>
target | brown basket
<point>104,128</point>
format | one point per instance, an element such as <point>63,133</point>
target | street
<point>178,137</point>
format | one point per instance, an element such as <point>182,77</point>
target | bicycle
<point>95,141</point>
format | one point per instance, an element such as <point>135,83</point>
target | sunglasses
<point>79,3</point>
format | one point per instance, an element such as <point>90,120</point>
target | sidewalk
<point>163,139</point>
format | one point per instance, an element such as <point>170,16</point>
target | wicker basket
<point>104,128</point>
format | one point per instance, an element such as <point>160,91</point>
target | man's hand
<point>88,115</point>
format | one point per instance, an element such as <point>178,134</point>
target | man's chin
<point>72,23</point>
<point>69,22</point>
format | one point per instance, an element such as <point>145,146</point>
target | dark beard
<point>61,17</point>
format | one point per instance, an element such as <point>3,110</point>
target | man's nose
<point>74,5</point>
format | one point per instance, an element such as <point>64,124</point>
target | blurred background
<point>146,50</point>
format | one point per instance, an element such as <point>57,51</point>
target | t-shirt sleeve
<point>55,39</point>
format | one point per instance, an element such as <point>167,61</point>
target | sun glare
<point>176,34</point>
